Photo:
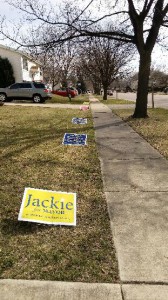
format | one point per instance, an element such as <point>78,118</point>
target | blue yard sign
<point>75,139</point>
<point>79,121</point>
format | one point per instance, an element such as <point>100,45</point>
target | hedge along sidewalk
<point>32,155</point>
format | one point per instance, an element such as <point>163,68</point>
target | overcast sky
<point>159,58</point>
<point>7,10</point>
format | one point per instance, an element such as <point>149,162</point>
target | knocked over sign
<point>79,121</point>
<point>48,207</point>
<point>75,139</point>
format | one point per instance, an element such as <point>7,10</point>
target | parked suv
<point>110,92</point>
<point>24,91</point>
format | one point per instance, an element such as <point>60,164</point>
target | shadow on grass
<point>15,227</point>
<point>28,138</point>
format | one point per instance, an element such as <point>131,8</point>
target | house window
<point>25,64</point>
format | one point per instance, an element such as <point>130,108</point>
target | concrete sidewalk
<point>57,290</point>
<point>135,178</point>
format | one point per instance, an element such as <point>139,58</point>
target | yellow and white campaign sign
<point>48,207</point>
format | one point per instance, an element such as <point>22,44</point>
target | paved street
<point>159,100</point>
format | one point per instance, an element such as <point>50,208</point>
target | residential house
<point>25,68</point>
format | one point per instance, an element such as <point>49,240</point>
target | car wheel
<point>3,97</point>
<point>37,99</point>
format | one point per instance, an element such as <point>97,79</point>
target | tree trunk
<point>96,88</point>
<point>142,91</point>
<point>104,93</point>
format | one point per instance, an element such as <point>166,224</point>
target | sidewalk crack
<point>122,293</point>
<point>144,282</point>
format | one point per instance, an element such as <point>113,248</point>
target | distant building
<point>25,68</point>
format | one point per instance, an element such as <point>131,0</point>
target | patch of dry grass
<point>154,129</point>
<point>76,100</point>
<point>32,155</point>
<point>112,100</point>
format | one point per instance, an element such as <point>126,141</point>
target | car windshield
<point>39,85</point>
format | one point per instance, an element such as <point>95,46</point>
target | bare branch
<point>146,8</point>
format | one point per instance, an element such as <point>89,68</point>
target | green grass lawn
<point>77,100</point>
<point>32,155</point>
<point>111,100</point>
<point>154,129</point>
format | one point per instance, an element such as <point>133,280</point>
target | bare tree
<point>138,22</point>
<point>158,79</point>
<point>57,61</point>
<point>102,60</point>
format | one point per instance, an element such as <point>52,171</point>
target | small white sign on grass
<point>79,121</point>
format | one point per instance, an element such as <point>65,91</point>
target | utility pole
<point>153,106</point>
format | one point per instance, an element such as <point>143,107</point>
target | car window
<point>39,85</point>
<point>25,85</point>
<point>14,86</point>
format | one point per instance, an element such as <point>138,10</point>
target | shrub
<point>6,73</point>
